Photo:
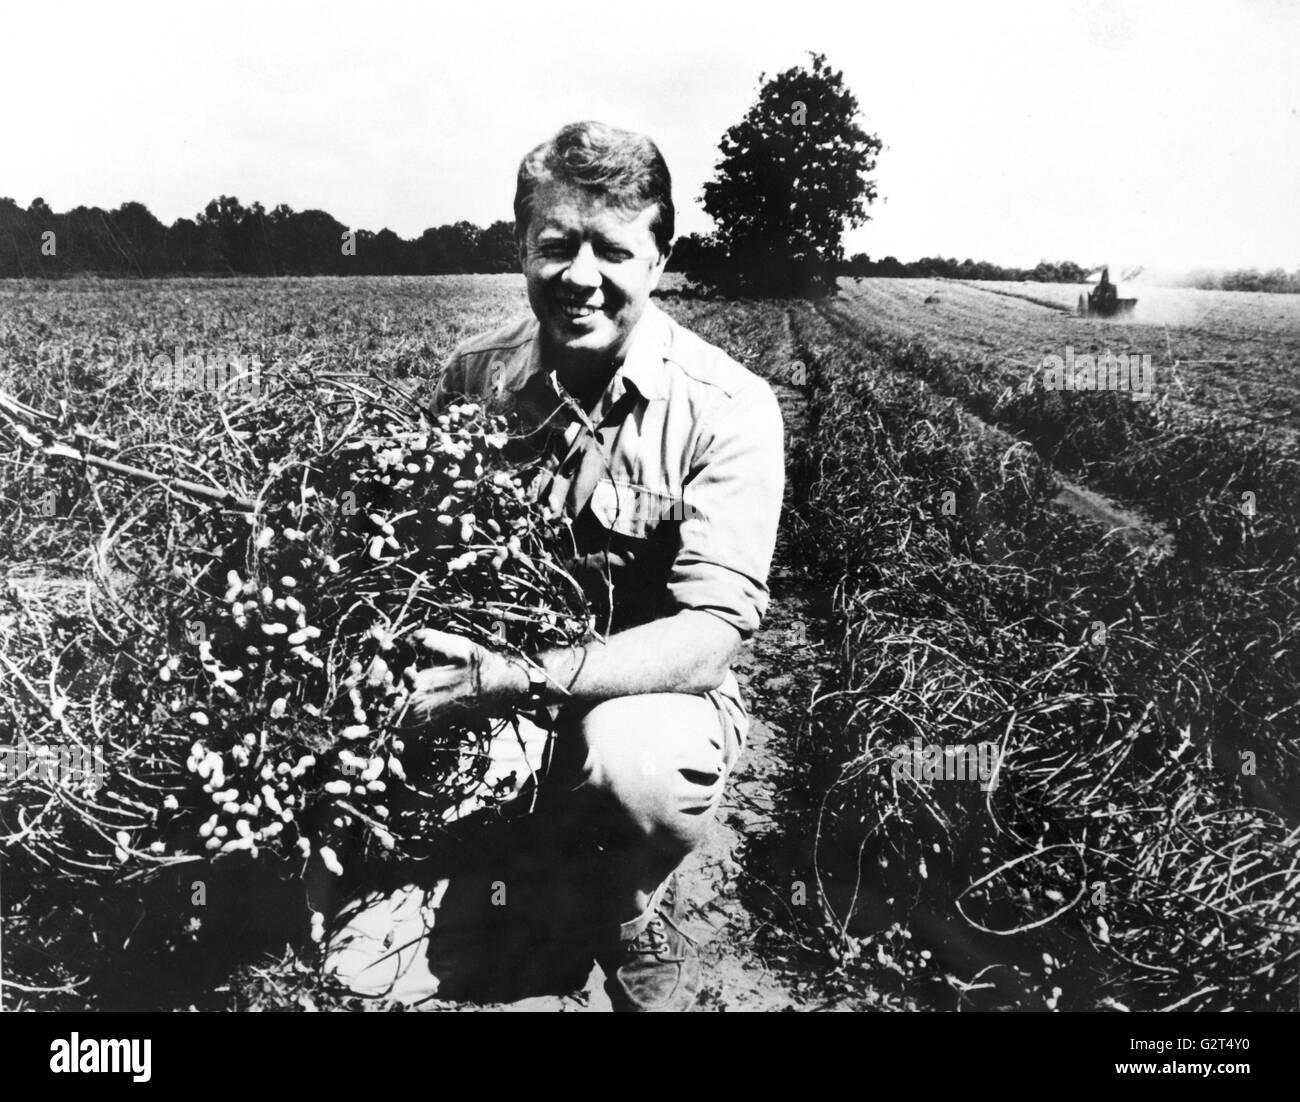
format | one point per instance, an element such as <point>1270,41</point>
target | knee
<point>656,761</point>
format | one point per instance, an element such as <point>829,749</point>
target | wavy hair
<point>623,168</point>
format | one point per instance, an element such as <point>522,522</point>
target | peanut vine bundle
<point>241,671</point>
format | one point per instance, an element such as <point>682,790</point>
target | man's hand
<point>688,652</point>
<point>460,675</point>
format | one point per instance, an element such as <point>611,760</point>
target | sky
<point>1163,133</point>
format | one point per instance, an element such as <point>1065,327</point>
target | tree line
<point>232,239</point>
<point>229,238</point>
<point>706,258</point>
<point>1066,271</point>
<point>1062,271</point>
<point>1275,280</point>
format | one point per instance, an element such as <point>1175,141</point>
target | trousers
<point>613,797</point>
<point>645,773</point>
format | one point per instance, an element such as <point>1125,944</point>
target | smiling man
<point>667,455</point>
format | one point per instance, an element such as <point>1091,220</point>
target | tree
<point>498,249</point>
<point>859,265</point>
<point>792,178</point>
<point>221,223</point>
<point>142,237</point>
<point>701,258</point>
<point>318,238</point>
<point>448,248</point>
<point>184,246</point>
<point>384,254</point>
<point>1070,272</point>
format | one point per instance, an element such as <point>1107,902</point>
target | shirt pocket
<point>630,510</point>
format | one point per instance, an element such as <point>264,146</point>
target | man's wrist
<point>560,668</point>
<point>504,679</point>
<point>547,679</point>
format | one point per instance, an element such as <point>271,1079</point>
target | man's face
<point>590,268</point>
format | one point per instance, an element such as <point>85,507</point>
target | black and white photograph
<point>678,507</point>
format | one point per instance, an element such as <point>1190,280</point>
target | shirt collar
<point>643,366</point>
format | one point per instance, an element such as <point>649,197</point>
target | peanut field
<point>1124,832</point>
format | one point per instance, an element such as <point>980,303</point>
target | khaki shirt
<point>673,481</point>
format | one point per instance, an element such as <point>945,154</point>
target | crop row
<point>1133,841</point>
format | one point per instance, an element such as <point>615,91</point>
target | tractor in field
<point>1103,301</point>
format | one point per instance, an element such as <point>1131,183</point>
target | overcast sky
<point>1165,133</point>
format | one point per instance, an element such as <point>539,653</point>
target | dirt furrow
<point>1129,523</point>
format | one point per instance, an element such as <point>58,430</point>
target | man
<point>667,455</point>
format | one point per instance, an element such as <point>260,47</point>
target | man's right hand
<point>460,674</point>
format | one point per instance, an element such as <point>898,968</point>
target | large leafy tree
<point>793,176</point>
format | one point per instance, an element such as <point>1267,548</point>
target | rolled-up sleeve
<point>732,505</point>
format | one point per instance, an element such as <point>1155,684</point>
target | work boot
<point>655,966</point>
